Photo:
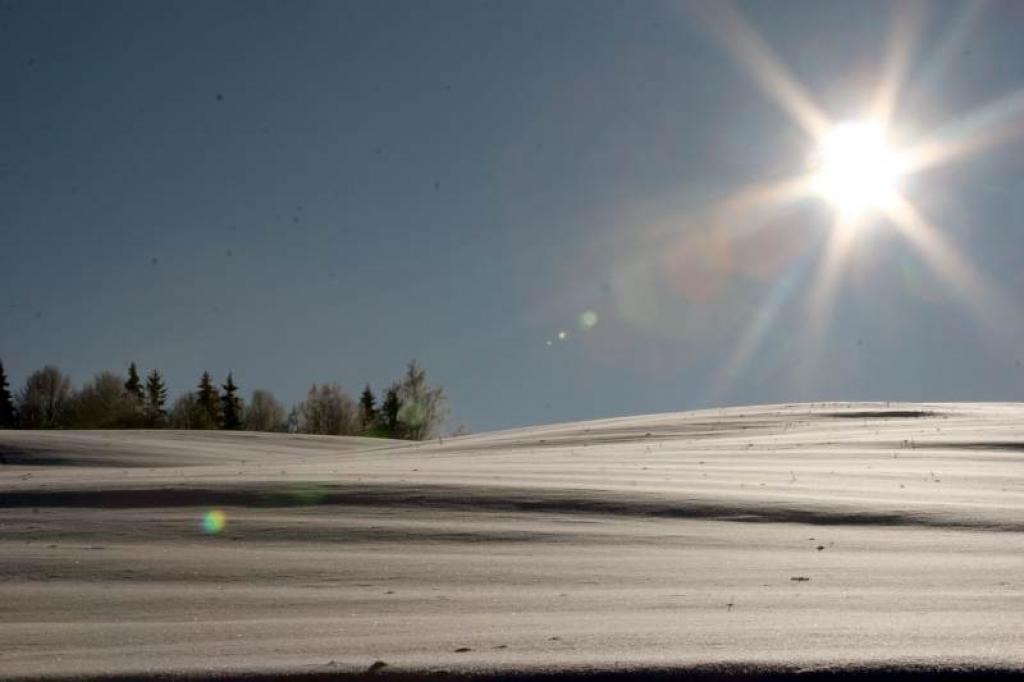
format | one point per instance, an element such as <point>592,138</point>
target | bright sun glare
<point>856,170</point>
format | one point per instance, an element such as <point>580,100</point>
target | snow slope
<point>798,536</point>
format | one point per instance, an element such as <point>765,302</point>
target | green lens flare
<point>214,521</point>
<point>588,319</point>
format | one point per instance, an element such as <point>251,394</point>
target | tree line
<point>410,408</point>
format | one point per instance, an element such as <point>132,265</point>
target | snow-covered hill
<point>786,535</point>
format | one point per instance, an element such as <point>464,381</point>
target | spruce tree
<point>156,398</point>
<point>133,387</point>
<point>389,412</point>
<point>232,406</point>
<point>208,402</point>
<point>8,418</point>
<point>367,409</point>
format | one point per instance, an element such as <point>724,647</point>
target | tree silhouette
<point>367,409</point>
<point>208,404</point>
<point>135,400</point>
<point>328,410</point>
<point>133,387</point>
<point>102,403</point>
<point>8,417</point>
<point>231,406</point>
<point>45,400</point>
<point>389,412</point>
<point>423,407</point>
<point>265,413</point>
<point>409,408</point>
<point>186,413</point>
<point>156,398</point>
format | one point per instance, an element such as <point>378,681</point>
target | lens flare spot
<point>588,319</point>
<point>214,522</point>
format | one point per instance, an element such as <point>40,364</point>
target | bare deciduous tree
<point>103,404</point>
<point>44,401</point>
<point>187,413</point>
<point>328,410</point>
<point>423,407</point>
<point>265,413</point>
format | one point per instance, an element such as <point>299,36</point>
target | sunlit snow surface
<point>839,534</point>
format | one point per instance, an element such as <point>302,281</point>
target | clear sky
<point>320,191</point>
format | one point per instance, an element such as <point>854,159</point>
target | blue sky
<point>320,191</point>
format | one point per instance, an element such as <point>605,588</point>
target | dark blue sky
<point>319,191</point>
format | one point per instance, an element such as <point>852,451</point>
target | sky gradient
<point>308,192</point>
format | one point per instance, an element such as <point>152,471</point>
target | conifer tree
<point>232,406</point>
<point>156,398</point>
<point>133,387</point>
<point>8,418</point>
<point>208,403</point>
<point>389,412</point>
<point>367,409</point>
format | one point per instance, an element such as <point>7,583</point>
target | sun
<point>869,169</point>
<point>856,169</point>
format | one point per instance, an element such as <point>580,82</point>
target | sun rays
<point>753,55</point>
<point>857,170</point>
